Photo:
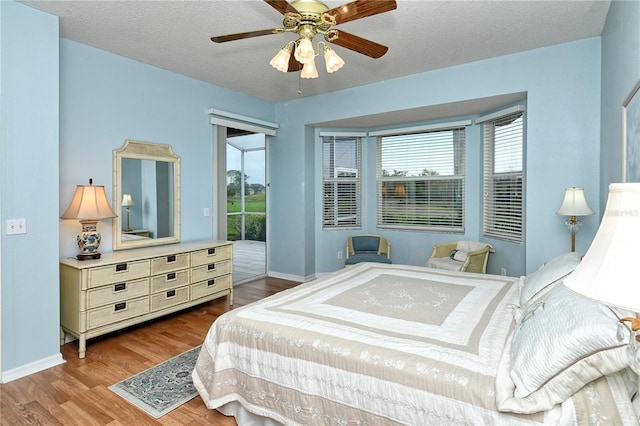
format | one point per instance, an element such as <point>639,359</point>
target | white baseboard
<point>33,367</point>
<point>289,277</point>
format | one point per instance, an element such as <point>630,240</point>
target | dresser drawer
<point>117,292</point>
<point>169,280</point>
<point>169,298</point>
<point>211,286</point>
<point>117,312</point>
<point>210,255</point>
<point>118,272</point>
<point>210,270</point>
<point>169,263</point>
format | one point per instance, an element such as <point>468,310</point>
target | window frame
<point>330,216</point>
<point>433,134</point>
<point>498,216</point>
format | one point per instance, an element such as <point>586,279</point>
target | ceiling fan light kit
<point>307,18</point>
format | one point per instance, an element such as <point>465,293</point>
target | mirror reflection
<point>146,189</point>
<point>147,199</point>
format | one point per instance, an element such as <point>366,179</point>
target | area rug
<point>163,387</point>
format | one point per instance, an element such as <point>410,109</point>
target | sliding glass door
<point>246,203</point>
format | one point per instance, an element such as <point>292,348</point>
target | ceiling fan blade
<point>293,64</point>
<point>360,45</point>
<point>282,6</point>
<point>240,36</point>
<point>361,9</point>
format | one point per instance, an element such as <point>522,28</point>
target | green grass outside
<point>252,203</point>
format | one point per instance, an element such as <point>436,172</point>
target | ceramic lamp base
<point>89,240</point>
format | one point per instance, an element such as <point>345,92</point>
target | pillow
<point>458,255</point>
<point>560,343</point>
<point>550,273</point>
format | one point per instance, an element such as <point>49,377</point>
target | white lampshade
<point>127,201</point>
<point>608,272</point>
<point>304,51</point>
<point>332,61</point>
<point>281,60</point>
<point>309,70</point>
<point>89,202</point>
<point>574,203</point>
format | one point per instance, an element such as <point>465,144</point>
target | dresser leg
<point>82,346</point>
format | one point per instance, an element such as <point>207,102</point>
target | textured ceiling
<point>421,36</point>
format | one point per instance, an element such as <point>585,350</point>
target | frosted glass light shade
<point>304,51</point>
<point>281,60</point>
<point>309,70</point>
<point>608,272</point>
<point>332,61</point>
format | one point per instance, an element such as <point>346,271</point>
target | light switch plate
<point>16,226</point>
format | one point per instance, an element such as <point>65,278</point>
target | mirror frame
<point>144,151</point>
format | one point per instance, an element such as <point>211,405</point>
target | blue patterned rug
<point>163,387</point>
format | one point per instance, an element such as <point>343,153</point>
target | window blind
<point>341,186</point>
<point>503,189</point>
<point>420,180</point>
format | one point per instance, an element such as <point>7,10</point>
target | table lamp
<point>89,205</point>
<point>127,202</point>
<point>573,205</point>
<point>608,272</point>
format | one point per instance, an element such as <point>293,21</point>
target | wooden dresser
<point>128,287</point>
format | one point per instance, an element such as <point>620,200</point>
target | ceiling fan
<point>307,18</point>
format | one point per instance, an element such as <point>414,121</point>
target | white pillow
<point>460,255</point>
<point>550,273</point>
<point>560,343</point>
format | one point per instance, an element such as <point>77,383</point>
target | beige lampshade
<point>89,202</point>
<point>609,272</point>
<point>574,203</point>
<point>127,200</point>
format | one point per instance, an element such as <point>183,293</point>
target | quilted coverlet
<point>379,344</point>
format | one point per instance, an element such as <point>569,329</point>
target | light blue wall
<point>106,99</point>
<point>620,72</point>
<point>29,185</point>
<point>563,110</point>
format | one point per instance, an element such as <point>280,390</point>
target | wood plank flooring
<point>76,392</point>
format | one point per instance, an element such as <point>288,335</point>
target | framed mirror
<point>146,195</point>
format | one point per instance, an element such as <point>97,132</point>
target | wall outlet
<point>340,255</point>
<point>16,226</point>
<point>206,212</point>
<point>503,271</point>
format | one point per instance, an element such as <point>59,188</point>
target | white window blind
<point>341,187</point>
<point>503,207</point>
<point>421,179</point>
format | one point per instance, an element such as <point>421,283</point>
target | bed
<point>378,344</point>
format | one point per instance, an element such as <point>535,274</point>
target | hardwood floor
<point>76,392</point>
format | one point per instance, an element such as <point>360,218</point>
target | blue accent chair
<point>367,248</point>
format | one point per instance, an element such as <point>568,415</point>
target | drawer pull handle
<point>121,267</point>
<point>171,293</point>
<point>211,266</point>
<point>120,306</point>
<point>120,287</point>
<point>171,276</point>
<point>211,282</point>
<point>171,258</point>
<point>211,251</point>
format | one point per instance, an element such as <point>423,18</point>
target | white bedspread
<point>379,344</point>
